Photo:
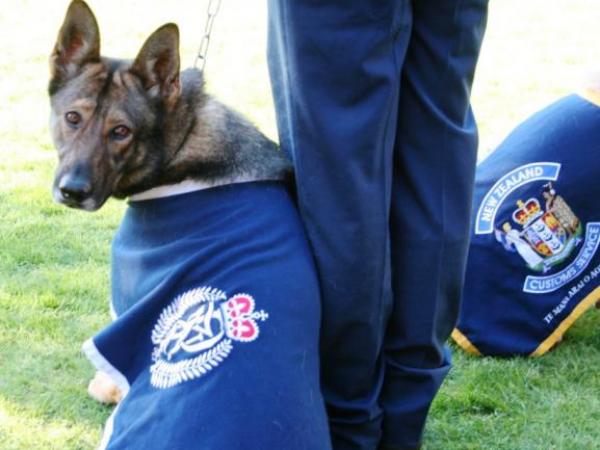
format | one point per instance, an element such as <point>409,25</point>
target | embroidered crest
<point>544,235</point>
<point>543,230</point>
<point>195,333</point>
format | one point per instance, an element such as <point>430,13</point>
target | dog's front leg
<point>103,389</point>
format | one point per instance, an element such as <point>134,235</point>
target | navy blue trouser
<point>372,101</point>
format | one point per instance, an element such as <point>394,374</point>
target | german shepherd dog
<point>123,127</point>
<point>128,129</point>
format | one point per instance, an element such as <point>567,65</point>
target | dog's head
<point>106,114</point>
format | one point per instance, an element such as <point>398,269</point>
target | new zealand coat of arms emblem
<point>196,332</point>
<point>544,233</point>
<point>542,230</point>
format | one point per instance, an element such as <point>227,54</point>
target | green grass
<point>54,261</point>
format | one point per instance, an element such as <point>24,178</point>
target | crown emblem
<point>240,318</point>
<point>527,211</point>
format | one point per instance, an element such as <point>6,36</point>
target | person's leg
<point>434,165</point>
<point>335,70</point>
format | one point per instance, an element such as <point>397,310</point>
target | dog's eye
<point>73,118</point>
<point>120,132</point>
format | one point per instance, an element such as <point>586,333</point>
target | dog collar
<point>169,190</point>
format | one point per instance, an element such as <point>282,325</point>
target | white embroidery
<point>194,334</point>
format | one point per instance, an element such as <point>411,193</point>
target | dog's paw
<point>103,389</point>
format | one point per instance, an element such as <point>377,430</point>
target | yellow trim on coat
<point>557,334</point>
<point>464,342</point>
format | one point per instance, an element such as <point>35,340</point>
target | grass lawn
<point>54,261</point>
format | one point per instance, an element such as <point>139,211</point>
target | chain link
<point>213,9</point>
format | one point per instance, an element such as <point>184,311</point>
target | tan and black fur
<point>123,127</point>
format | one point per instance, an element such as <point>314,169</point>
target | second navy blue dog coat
<point>215,344</point>
<point>534,264</point>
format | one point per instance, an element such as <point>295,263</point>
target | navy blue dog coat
<point>215,344</point>
<point>534,264</point>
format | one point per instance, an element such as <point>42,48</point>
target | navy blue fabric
<point>515,296</point>
<point>184,261</point>
<point>372,101</point>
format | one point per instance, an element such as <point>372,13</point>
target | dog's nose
<point>75,188</point>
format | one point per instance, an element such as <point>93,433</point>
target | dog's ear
<point>78,42</point>
<point>157,64</point>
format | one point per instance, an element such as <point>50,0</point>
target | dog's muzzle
<point>74,191</point>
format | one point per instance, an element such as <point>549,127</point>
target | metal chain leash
<point>213,9</point>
